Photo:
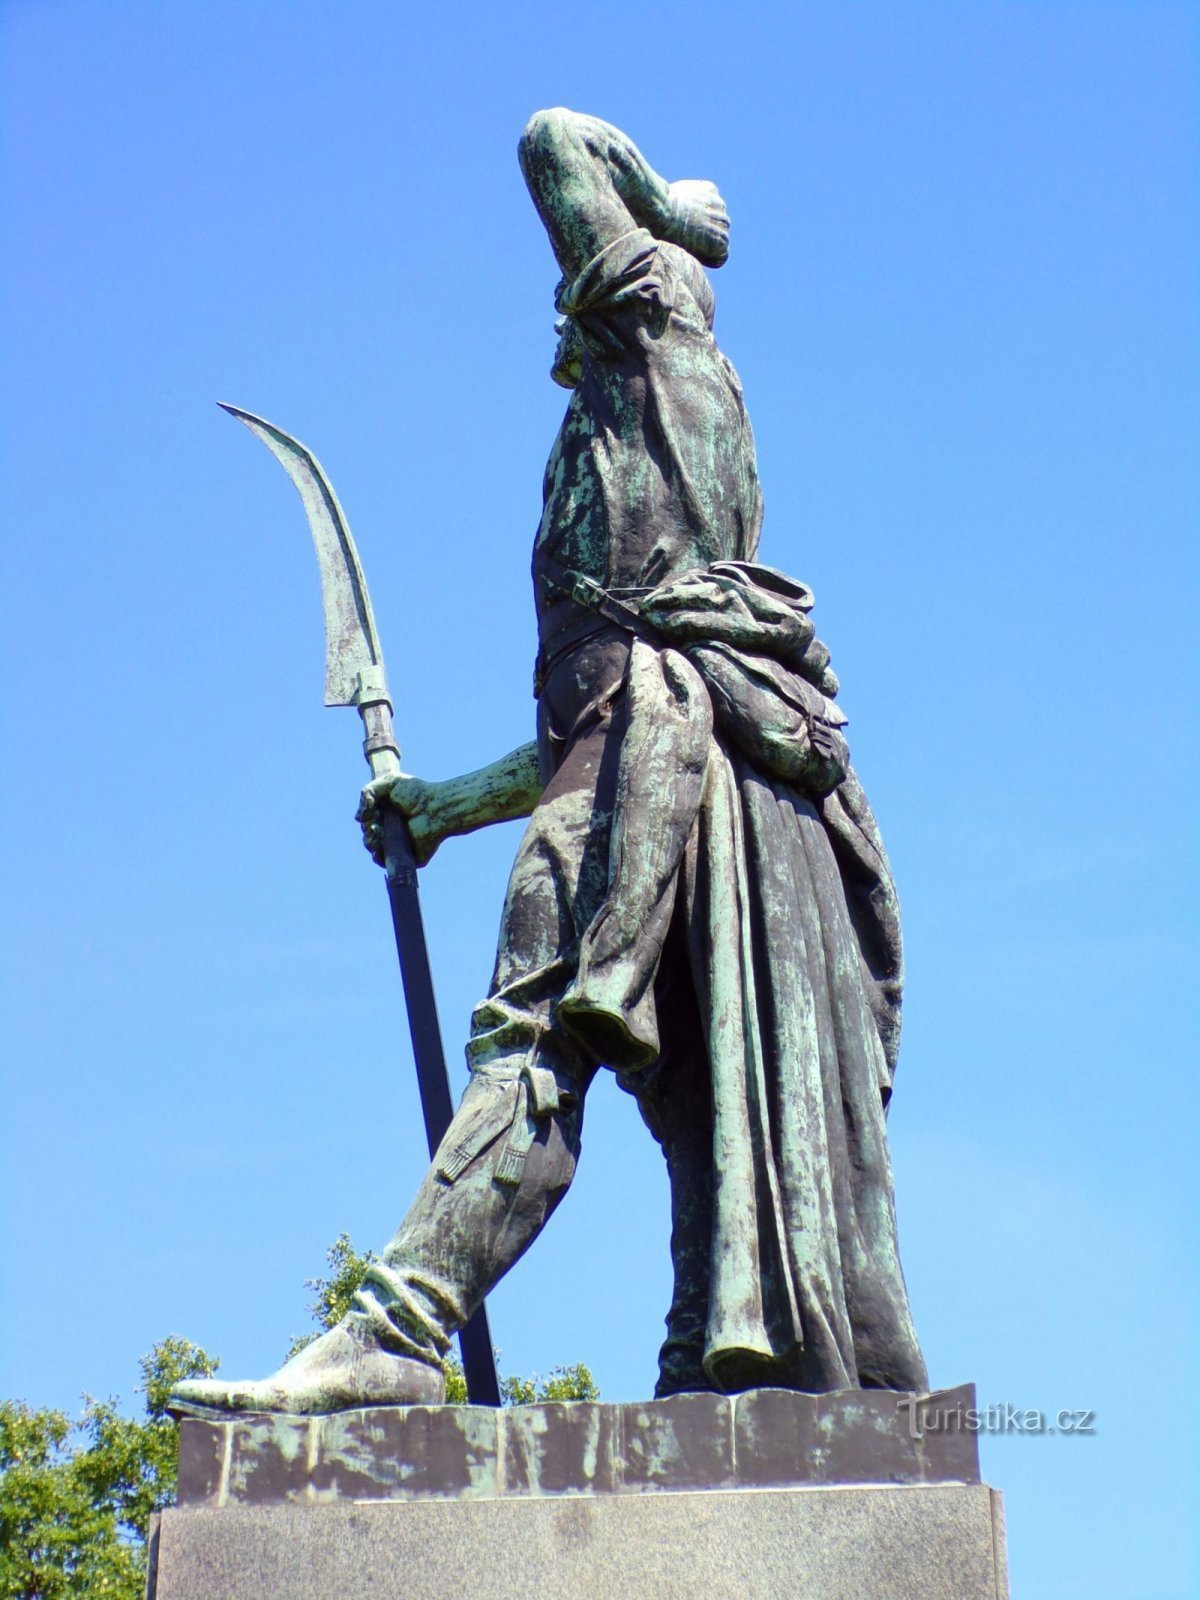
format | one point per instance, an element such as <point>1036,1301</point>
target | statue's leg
<point>506,1161</point>
<point>675,1100</point>
<point>687,1144</point>
<point>477,1210</point>
<point>509,1154</point>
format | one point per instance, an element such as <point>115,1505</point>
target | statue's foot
<point>342,1370</point>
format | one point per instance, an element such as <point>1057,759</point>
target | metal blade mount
<point>351,639</point>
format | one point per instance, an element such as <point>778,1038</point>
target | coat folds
<point>738,816</point>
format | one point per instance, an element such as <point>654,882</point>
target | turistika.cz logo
<point>925,1416</point>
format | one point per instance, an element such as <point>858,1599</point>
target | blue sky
<point>962,299</point>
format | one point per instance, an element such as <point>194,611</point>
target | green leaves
<point>334,1293</point>
<point>456,1381</point>
<point>569,1383</point>
<point>564,1383</point>
<point>76,1497</point>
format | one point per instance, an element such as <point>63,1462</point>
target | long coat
<point>735,810</point>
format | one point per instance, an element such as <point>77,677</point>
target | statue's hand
<point>699,220</point>
<point>419,803</point>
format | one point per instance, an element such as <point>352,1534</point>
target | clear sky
<point>962,299</point>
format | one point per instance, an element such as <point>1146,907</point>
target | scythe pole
<point>354,676</point>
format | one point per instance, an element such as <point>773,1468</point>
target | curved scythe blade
<point>351,640</point>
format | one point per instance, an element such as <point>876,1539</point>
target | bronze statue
<point>701,902</point>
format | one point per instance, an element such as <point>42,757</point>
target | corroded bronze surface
<point>763,1439</point>
<point>701,902</point>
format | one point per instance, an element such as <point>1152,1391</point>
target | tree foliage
<point>76,1497</point>
<point>334,1293</point>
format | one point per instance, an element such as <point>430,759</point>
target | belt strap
<point>593,596</point>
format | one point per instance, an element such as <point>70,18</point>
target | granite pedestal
<point>770,1493</point>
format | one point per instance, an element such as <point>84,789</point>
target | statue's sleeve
<point>590,185</point>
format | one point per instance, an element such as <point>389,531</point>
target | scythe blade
<point>351,638</point>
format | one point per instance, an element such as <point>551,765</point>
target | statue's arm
<point>591,184</point>
<point>508,788</point>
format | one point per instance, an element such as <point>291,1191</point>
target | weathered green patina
<point>701,902</point>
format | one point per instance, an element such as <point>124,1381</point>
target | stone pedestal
<point>770,1493</point>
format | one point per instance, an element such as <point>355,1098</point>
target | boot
<point>342,1370</point>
